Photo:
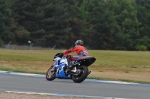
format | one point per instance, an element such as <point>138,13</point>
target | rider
<point>79,49</point>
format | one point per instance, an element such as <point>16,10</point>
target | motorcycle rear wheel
<point>82,75</point>
<point>50,74</point>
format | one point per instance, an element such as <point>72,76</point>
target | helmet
<point>79,42</point>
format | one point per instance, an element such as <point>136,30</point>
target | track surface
<point>20,83</point>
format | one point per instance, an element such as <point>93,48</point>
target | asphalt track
<point>60,87</point>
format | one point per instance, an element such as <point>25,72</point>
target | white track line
<point>61,95</point>
<point>91,80</point>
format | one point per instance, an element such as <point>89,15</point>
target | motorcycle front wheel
<point>51,74</point>
<point>83,73</point>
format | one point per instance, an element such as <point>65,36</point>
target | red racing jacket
<point>80,50</point>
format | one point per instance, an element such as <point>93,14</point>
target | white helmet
<point>79,42</point>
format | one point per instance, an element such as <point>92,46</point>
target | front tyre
<point>82,75</point>
<point>51,74</point>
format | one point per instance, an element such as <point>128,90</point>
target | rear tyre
<point>51,74</point>
<point>82,75</point>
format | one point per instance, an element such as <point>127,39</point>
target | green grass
<point>7,69</point>
<point>121,58</point>
<point>26,55</point>
<point>106,60</point>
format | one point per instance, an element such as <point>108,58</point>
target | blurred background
<point>57,24</point>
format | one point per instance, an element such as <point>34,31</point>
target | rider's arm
<point>70,50</point>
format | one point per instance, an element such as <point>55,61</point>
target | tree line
<point>101,24</point>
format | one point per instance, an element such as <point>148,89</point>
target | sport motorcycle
<point>78,71</point>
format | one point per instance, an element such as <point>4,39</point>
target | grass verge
<point>130,66</point>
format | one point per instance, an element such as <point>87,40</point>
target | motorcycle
<point>78,71</point>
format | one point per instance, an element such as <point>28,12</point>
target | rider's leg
<point>69,63</point>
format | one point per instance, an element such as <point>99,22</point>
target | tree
<point>101,24</point>
<point>5,18</point>
<point>51,22</point>
<point>102,21</point>
<point>143,15</point>
<point>126,16</point>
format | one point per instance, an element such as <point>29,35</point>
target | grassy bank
<point>131,66</point>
